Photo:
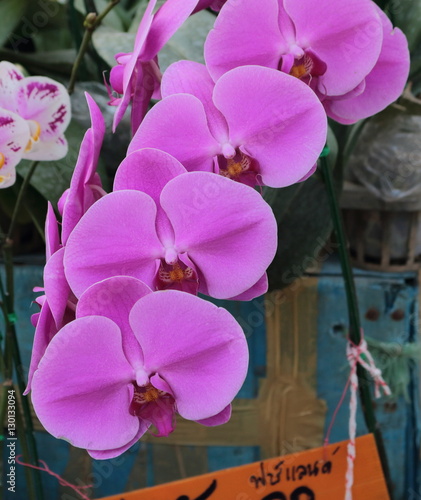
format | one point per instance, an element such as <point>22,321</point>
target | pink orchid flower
<point>382,86</point>
<point>337,47</point>
<point>14,136</point>
<point>255,125</point>
<point>335,42</point>
<point>193,231</point>
<point>85,185</point>
<point>131,360</point>
<point>44,104</point>
<point>137,75</point>
<point>215,5</point>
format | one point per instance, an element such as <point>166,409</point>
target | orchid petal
<point>116,78</point>
<point>10,76</point>
<point>276,118</point>
<point>44,332</point>
<point>80,196</point>
<point>81,389</point>
<point>258,289</point>
<point>196,347</point>
<point>383,85</point>
<point>57,289</point>
<point>193,78</point>
<point>46,102</point>
<point>245,34</point>
<point>345,35</point>
<point>218,419</point>
<point>221,224</point>
<point>143,90</point>
<point>215,5</point>
<point>52,237</point>
<point>107,454</point>
<point>7,178</point>
<point>167,20</point>
<point>14,137</point>
<point>133,62</point>
<point>115,237</point>
<point>114,298</point>
<point>49,150</point>
<point>178,125</point>
<point>149,170</point>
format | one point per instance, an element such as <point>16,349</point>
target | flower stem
<point>353,312</point>
<point>21,194</point>
<point>92,21</point>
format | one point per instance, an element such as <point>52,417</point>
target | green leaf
<point>406,15</point>
<point>108,43</point>
<point>140,10</point>
<point>34,205</point>
<point>11,13</point>
<point>188,41</point>
<point>304,225</point>
<point>55,64</point>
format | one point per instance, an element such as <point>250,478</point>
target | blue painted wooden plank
<point>224,457</point>
<point>386,294</point>
<point>251,316</point>
<point>109,477</point>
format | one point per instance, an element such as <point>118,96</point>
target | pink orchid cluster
<point>34,113</point>
<point>122,341</point>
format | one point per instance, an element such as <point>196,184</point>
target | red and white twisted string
<point>355,354</point>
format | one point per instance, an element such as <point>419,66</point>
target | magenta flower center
<point>302,67</point>
<point>177,276</point>
<point>240,167</point>
<point>144,395</point>
<point>155,407</point>
<point>306,67</point>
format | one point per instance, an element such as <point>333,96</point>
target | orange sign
<point>317,474</point>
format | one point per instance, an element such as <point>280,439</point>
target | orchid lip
<point>4,178</point>
<point>2,160</point>
<point>144,394</point>
<point>35,130</point>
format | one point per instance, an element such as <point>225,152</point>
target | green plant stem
<point>92,21</point>
<point>19,201</point>
<point>354,315</point>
